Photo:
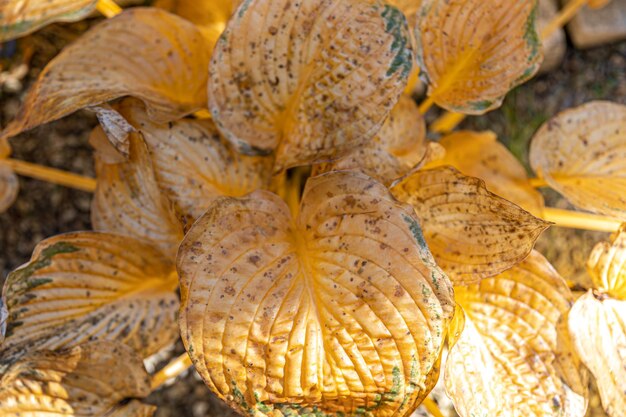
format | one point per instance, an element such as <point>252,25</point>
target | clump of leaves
<point>325,251</point>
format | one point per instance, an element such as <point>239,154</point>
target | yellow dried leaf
<point>312,81</point>
<point>581,153</point>
<point>21,17</point>
<point>598,327</point>
<point>339,310</point>
<point>408,7</point>
<point>90,380</point>
<point>9,187</point>
<point>128,201</point>
<point>193,164</point>
<point>472,233</point>
<point>399,146</point>
<point>144,52</point>
<point>607,265</point>
<point>85,286</point>
<point>481,155</point>
<point>513,358</point>
<point>472,52</point>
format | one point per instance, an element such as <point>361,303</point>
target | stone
<point>554,47</point>
<point>594,27</point>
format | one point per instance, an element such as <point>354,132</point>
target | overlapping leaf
<point>128,201</point>
<point>399,146</point>
<point>90,380</point>
<point>581,153</point>
<point>89,286</point>
<point>607,265</point>
<point>598,327</point>
<point>339,310</point>
<point>193,164</point>
<point>9,187</point>
<point>311,80</point>
<point>144,52</point>
<point>480,155</point>
<point>472,233</point>
<point>21,17</point>
<point>514,357</point>
<point>472,52</point>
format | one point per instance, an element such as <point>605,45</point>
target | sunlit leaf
<point>514,358</point>
<point>472,233</point>
<point>128,201</point>
<point>598,328</point>
<point>210,15</point>
<point>581,153</point>
<point>9,187</point>
<point>311,80</point>
<point>481,155</point>
<point>339,310</point>
<point>144,52</point>
<point>607,265</point>
<point>21,17</point>
<point>89,380</point>
<point>193,164</point>
<point>89,286</point>
<point>472,52</point>
<point>399,146</point>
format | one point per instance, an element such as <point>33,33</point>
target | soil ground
<point>44,209</point>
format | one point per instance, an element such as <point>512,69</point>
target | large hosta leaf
<point>472,233</point>
<point>472,52</point>
<point>598,327</point>
<point>128,201</point>
<point>581,153</point>
<point>309,80</point>
<point>21,17</point>
<point>144,52</point>
<point>340,311</point>
<point>193,164</point>
<point>90,380</point>
<point>399,146</point>
<point>515,358</point>
<point>89,286</point>
<point>9,187</point>
<point>607,265</point>
<point>481,155</point>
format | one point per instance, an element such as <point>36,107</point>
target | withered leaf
<point>9,187</point>
<point>338,310</point>
<point>90,380</point>
<point>581,153</point>
<point>472,52</point>
<point>88,286</point>
<point>472,233</point>
<point>481,155</point>
<point>607,265</point>
<point>144,52</point>
<point>128,201</point>
<point>514,358</point>
<point>598,327</point>
<point>311,80</point>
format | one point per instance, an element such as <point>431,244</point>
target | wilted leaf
<point>607,265</point>
<point>128,201</point>
<point>90,380</point>
<point>408,7</point>
<point>21,17</point>
<point>598,328</point>
<point>472,52</point>
<point>399,146</point>
<point>193,164</point>
<point>144,52</point>
<point>88,286</point>
<point>481,155</point>
<point>339,310</point>
<point>581,153</point>
<point>472,233</point>
<point>513,358</point>
<point>311,80</point>
<point>9,187</point>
